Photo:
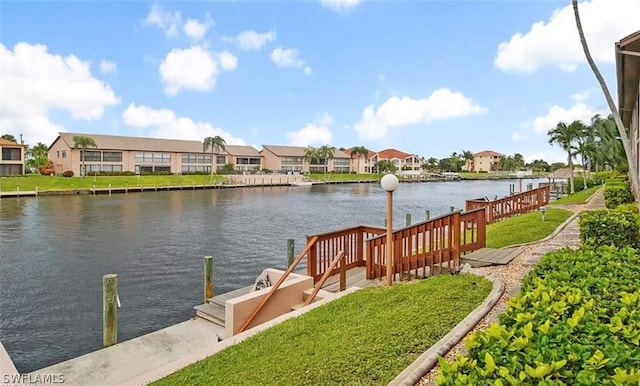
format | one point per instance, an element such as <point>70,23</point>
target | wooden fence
<point>422,248</point>
<point>511,205</point>
<point>329,244</point>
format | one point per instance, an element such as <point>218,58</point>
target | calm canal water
<point>54,251</point>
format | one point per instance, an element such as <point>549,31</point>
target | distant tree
<point>508,163</point>
<point>466,156</point>
<point>518,159</point>
<point>385,166</point>
<point>622,131</point>
<point>431,164</point>
<point>566,137</point>
<point>9,137</point>
<point>447,164</point>
<point>539,165</point>
<point>216,144</point>
<point>557,165</point>
<point>325,153</point>
<point>359,152</point>
<point>311,156</point>
<point>83,142</point>
<point>37,155</point>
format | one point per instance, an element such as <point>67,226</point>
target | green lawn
<point>367,337</point>
<point>576,198</point>
<point>29,182</point>
<point>525,228</point>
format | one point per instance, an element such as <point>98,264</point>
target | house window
<point>220,159</point>
<point>10,154</point>
<point>64,154</point>
<point>110,156</point>
<point>91,156</point>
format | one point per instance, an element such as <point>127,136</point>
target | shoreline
<point>246,183</point>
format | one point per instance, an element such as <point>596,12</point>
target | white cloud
<point>165,124</point>
<point>196,29</point>
<point>107,67</point>
<point>307,70</point>
<point>340,5</point>
<point>581,96</point>
<point>287,57</point>
<point>228,61</point>
<point>556,42</point>
<point>310,135</point>
<point>39,82</point>
<point>556,114</point>
<point>552,155</point>
<point>167,21</point>
<point>193,68</point>
<point>441,105</point>
<point>313,134</point>
<point>251,40</point>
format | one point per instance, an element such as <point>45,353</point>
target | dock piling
<point>208,278</point>
<point>36,190</point>
<point>290,252</point>
<point>18,191</point>
<point>109,309</point>
<point>452,208</point>
<point>408,219</point>
<point>427,214</point>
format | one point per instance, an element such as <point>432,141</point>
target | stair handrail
<point>275,287</point>
<point>338,257</point>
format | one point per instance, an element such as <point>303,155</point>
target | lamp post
<point>520,174</point>
<point>389,183</point>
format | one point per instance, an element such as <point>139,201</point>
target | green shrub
<point>616,194</point>
<point>631,207</point>
<point>600,177</point>
<point>67,173</point>
<point>609,227</point>
<point>575,321</point>
<point>578,183</point>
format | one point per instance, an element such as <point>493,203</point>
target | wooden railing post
<point>343,273</point>
<point>109,310</point>
<point>208,278</point>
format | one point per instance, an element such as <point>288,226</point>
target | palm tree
<point>216,144</point>
<point>9,137</point>
<point>467,156</point>
<point>385,166</point>
<point>432,164</point>
<point>565,135</point>
<point>610,151</point>
<point>311,156</point>
<point>83,142</point>
<point>325,153</point>
<point>359,152</point>
<point>622,132</point>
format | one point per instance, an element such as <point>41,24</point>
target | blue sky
<point>425,77</point>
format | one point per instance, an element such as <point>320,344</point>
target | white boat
<point>300,183</point>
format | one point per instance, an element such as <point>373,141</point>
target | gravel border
<point>425,362</point>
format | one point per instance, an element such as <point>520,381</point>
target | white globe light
<point>389,182</point>
<point>520,174</point>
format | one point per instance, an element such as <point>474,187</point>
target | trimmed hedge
<point>576,320</point>
<point>617,193</point>
<point>609,227</point>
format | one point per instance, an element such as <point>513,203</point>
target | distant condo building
<point>116,154</point>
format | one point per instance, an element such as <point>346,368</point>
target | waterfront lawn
<point>344,177</point>
<point>368,337</point>
<point>29,182</point>
<point>525,228</point>
<point>576,198</point>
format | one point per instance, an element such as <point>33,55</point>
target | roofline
<point>620,70</point>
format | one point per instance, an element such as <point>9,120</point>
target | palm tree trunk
<point>570,162</point>
<point>83,172</point>
<point>211,163</point>
<point>584,173</point>
<point>633,168</point>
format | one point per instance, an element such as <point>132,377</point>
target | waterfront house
<point>137,154</point>
<point>628,75</point>
<point>484,161</point>
<point>360,163</point>
<point>13,158</point>
<point>290,159</point>
<point>401,160</point>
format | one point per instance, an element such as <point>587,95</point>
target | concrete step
<point>211,312</point>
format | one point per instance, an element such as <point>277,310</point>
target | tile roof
<point>115,142</point>
<point>487,153</point>
<point>6,142</point>
<point>298,151</point>
<point>392,153</point>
